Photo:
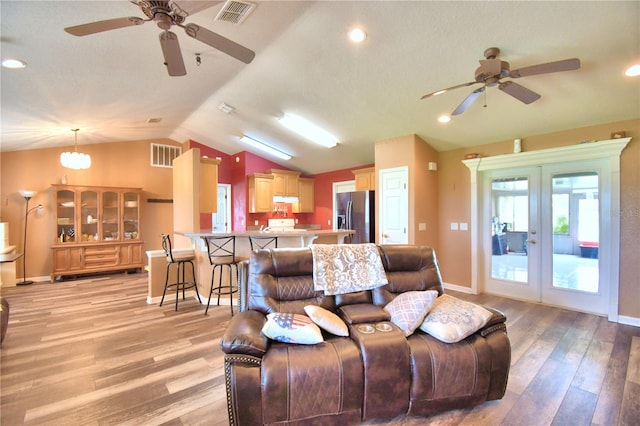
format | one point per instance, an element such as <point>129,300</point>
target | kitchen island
<point>296,238</point>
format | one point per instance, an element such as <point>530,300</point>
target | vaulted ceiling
<point>111,83</point>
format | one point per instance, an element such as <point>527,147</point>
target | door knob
<point>531,241</point>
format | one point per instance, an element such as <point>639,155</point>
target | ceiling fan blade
<point>439,92</point>
<point>519,92</point>
<point>558,66</point>
<point>172,55</point>
<point>468,101</point>
<point>100,26</point>
<point>219,42</point>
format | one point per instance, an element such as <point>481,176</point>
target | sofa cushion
<point>408,309</point>
<point>292,328</point>
<point>451,319</point>
<point>327,320</point>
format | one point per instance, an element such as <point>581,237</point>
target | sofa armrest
<point>244,335</point>
<point>363,313</point>
<point>497,322</point>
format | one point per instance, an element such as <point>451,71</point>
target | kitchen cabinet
<point>260,193</point>
<point>285,182</point>
<point>195,191</point>
<point>365,179</point>
<point>306,199</point>
<point>97,229</point>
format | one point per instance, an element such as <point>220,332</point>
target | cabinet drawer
<point>95,257</point>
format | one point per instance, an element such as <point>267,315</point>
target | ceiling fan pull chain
<point>485,99</point>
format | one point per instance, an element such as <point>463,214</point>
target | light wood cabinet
<point>306,199</point>
<point>285,182</point>
<point>97,229</point>
<point>365,179</point>
<point>260,192</point>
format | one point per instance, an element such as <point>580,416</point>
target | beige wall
<point>454,249</point>
<point>413,152</point>
<point>114,164</point>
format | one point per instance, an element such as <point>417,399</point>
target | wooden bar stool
<point>222,253</point>
<point>259,242</point>
<point>181,262</point>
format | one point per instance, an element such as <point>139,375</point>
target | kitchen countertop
<point>294,233</point>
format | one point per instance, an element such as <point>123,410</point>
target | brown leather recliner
<point>347,380</point>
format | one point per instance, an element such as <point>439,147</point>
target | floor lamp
<point>27,196</point>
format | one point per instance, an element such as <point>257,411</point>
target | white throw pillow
<point>451,319</point>
<point>292,328</point>
<point>408,309</point>
<point>327,320</point>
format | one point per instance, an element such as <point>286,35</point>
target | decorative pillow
<point>408,309</point>
<point>292,328</point>
<point>327,320</point>
<point>451,319</point>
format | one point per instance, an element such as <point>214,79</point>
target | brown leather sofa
<point>348,380</point>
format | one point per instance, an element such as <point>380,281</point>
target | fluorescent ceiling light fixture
<point>309,130</point>
<point>14,63</point>
<point>633,71</point>
<point>264,147</point>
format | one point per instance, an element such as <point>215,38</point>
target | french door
<point>546,236</point>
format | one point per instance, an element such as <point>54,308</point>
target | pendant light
<point>75,160</point>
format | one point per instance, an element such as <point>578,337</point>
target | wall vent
<point>234,11</point>
<point>163,155</point>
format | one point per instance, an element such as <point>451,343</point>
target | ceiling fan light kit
<point>492,71</point>
<point>166,14</point>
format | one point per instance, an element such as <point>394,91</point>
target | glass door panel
<point>131,216</point>
<point>110,215</point>
<point>510,210</point>
<point>89,215</point>
<point>576,230</point>
<point>66,213</point>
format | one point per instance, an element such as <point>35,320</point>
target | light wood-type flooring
<point>93,352</point>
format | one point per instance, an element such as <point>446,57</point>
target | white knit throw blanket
<point>347,268</point>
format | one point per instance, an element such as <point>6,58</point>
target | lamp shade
<point>26,193</point>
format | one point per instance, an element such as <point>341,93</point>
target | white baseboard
<point>455,287</point>
<point>629,320</point>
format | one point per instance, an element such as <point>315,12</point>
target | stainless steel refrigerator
<point>356,210</point>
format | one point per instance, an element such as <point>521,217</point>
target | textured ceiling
<point>108,84</point>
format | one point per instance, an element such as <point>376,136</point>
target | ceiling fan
<point>167,14</point>
<point>493,70</point>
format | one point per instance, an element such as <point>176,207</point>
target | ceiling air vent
<point>234,11</point>
<point>163,155</point>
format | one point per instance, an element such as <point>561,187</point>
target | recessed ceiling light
<point>357,35</point>
<point>13,63</point>
<point>444,119</point>
<point>633,71</point>
<point>309,130</point>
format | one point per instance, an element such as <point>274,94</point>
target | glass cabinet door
<point>66,213</point>
<point>89,216</point>
<point>131,218</point>
<point>110,216</point>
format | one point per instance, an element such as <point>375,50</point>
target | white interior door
<point>394,206</point>
<point>221,220</point>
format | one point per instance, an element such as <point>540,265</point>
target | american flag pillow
<point>292,328</point>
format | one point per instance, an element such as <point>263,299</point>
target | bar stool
<point>222,253</point>
<point>259,242</point>
<point>181,262</point>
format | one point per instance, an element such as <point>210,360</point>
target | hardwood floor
<point>92,352</point>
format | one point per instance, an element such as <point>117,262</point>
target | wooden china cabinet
<point>97,229</point>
